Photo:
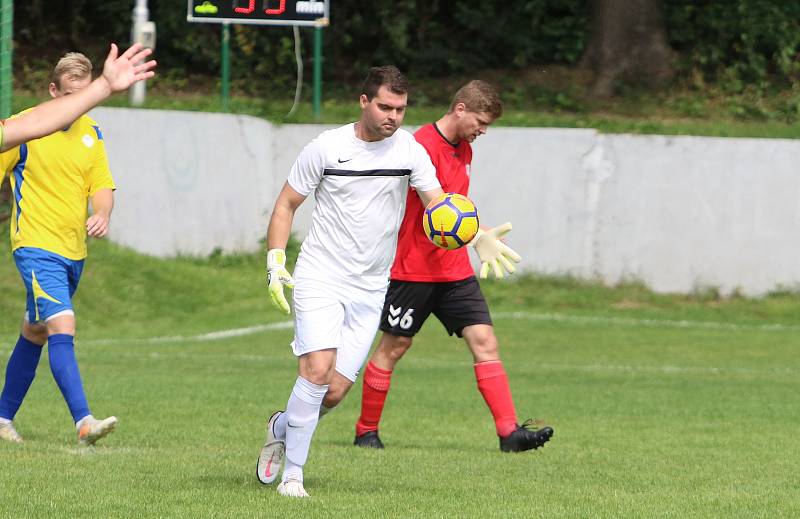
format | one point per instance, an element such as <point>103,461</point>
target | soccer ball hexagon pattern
<point>450,221</point>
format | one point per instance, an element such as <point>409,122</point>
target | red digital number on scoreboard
<point>251,6</point>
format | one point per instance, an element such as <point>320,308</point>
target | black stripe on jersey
<point>367,173</point>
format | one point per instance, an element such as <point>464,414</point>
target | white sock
<point>4,421</point>
<point>302,416</point>
<point>292,471</point>
<point>279,427</point>
<point>79,423</point>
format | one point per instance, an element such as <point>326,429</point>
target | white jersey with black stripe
<point>360,189</point>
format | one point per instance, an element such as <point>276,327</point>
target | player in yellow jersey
<point>119,72</point>
<point>52,178</point>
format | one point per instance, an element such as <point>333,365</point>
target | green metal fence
<point>6,52</point>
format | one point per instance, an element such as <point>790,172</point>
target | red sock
<point>373,396</point>
<point>493,385</point>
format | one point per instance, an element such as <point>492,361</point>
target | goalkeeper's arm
<point>493,253</point>
<point>280,227</point>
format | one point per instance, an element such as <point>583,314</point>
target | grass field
<point>663,406</point>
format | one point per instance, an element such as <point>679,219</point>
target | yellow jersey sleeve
<point>99,176</point>
<point>8,159</point>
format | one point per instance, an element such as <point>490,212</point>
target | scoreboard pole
<point>303,13</point>
<point>317,72</point>
<point>226,65</point>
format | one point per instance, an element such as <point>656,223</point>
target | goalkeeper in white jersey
<point>359,175</point>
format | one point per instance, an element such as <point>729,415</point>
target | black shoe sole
<point>368,442</point>
<point>544,434</point>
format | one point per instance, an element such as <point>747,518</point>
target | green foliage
<point>737,42</point>
<point>525,32</point>
<point>432,38</point>
<point>738,59</point>
<point>60,27</point>
<point>436,38</point>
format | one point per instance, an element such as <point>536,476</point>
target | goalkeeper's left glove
<point>494,252</point>
<point>278,277</point>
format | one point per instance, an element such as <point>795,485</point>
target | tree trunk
<point>627,41</point>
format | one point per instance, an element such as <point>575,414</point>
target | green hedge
<point>735,41</point>
<point>427,37</point>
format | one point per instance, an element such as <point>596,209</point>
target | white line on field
<point>622,368</point>
<point>630,321</point>
<point>466,364</point>
<point>666,370</point>
<point>531,316</point>
<point>210,336</point>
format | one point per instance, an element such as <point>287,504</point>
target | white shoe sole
<point>292,488</point>
<point>271,456</point>
<point>102,429</point>
<point>10,434</point>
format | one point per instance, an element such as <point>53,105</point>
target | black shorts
<point>455,303</point>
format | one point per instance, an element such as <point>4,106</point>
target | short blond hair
<point>73,65</point>
<point>479,96</point>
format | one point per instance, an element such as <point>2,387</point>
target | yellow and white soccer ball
<point>450,221</point>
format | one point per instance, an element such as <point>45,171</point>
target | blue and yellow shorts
<point>50,279</point>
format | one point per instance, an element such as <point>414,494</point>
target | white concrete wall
<point>678,213</point>
<point>683,212</point>
<point>188,183</point>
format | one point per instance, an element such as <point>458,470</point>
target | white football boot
<point>292,488</point>
<point>91,429</point>
<point>8,433</point>
<point>271,456</point>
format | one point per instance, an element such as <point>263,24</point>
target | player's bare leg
<point>493,386</point>
<point>482,342</point>
<point>377,378</point>
<point>390,350</point>
<point>61,324</point>
<point>34,332</point>
<point>338,389</point>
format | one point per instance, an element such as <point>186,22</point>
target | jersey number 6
<point>405,322</point>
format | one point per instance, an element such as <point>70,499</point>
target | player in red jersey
<point>426,279</point>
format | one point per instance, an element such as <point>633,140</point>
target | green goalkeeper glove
<point>278,277</point>
<point>493,252</point>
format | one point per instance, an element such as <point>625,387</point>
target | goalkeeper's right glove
<point>278,277</point>
<point>493,252</point>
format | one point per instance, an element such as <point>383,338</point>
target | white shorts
<point>344,318</point>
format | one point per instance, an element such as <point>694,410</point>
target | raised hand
<point>121,71</point>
